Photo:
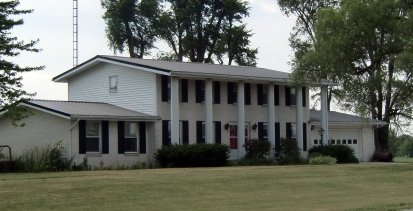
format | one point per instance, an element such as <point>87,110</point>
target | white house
<point>121,110</point>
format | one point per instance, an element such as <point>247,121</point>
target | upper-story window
<point>199,91</point>
<point>290,96</point>
<point>232,92</point>
<point>113,84</point>
<point>165,88</point>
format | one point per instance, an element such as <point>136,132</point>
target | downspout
<point>70,137</point>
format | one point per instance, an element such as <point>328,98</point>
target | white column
<point>299,116</point>
<point>324,112</point>
<point>174,110</point>
<point>271,118</point>
<point>241,120</point>
<point>208,112</point>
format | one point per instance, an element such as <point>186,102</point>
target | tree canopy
<point>208,31</point>
<point>11,91</point>
<point>367,47</point>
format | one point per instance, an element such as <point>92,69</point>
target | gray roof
<point>340,118</point>
<point>184,69</point>
<point>88,110</point>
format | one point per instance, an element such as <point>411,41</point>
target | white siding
<point>136,89</point>
<point>40,130</point>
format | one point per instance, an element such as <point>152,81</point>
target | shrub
<point>316,160</point>
<point>343,153</point>
<point>196,155</point>
<point>257,149</point>
<point>48,158</point>
<point>288,152</point>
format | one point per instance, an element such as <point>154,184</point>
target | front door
<point>237,153</point>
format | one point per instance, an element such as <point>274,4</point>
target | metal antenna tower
<point>75,33</point>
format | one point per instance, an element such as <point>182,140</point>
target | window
<point>131,137</point>
<point>315,141</point>
<point>199,91</point>
<point>265,131</point>
<point>165,88</point>
<point>293,131</point>
<point>113,84</point>
<point>265,94</point>
<point>232,92</point>
<point>343,141</point>
<point>333,141</point>
<point>292,95</point>
<point>338,141</point>
<point>354,141</point>
<point>92,136</point>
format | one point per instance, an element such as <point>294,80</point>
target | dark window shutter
<point>304,137</point>
<point>121,136</point>
<point>105,137</point>
<point>230,87</point>
<point>276,95</point>
<point>217,132</point>
<point>142,137</point>
<point>260,130</point>
<point>199,95</point>
<point>185,131</point>
<point>184,90</point>
<point>165,133</point>
<point>259,94</point>
<point>287,96</point>
<point>217,92</point>
<point>277,137</point>
<point>288,130</point>
<point>247,93</point>
<point>164,87</point>
<point>82,137</point>
<point>199,138</point>
<point>304,97</point>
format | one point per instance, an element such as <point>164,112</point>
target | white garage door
<point>349,137</point>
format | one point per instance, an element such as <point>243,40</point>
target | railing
<point>7,146</point>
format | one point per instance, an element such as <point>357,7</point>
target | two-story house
<point>121,110</point>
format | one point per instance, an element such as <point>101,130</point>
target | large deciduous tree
<point>11,91</point>
<point>209,31</point>
<point>367,46</point>
<point>131,24</point>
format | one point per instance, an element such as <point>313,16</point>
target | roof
<point>87,110</point>
<point>342,118</point>
<point>183,69</point>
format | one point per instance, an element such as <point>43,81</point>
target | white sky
<point>51,23</point>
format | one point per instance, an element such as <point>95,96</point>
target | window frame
<point>89,138</point>
<point>113,89</point>
<point>127,137</point>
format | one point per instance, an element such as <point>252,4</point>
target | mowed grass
<point>403,160</point>
<point>337,187</point>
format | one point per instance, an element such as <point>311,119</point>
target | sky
<point>51,23</point>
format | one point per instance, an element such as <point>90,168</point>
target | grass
<point>320,187</point>
<point>403,160</point>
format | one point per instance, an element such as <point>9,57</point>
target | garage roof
<point>87,110</point>
<point>184,69</point>
<point>341,118</point>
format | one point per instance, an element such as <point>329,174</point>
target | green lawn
<point>337,187</point>
<point>403,160</point>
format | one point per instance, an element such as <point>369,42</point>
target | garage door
<point>351,138</point>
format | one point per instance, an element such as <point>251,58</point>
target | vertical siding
<point>136,89</point>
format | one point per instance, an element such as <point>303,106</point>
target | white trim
<point>46,111</point>
<point>63,78</point>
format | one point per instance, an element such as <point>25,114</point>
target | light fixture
<point>254,126</point>
<point>226,126</point>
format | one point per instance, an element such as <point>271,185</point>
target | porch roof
<point>342,118</point>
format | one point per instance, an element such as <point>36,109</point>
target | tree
<point>207,31</point>
<point>11,91</point>
<point>367,47</point>
<point>131,24</point>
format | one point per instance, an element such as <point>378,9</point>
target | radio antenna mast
<point>75,34</point>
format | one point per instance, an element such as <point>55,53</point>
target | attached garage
<point>353,131</point>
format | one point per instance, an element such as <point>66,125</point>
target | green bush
<point>343,153</point>
<point>316,160</point>
<point>288,152</point>
<point>196,155</point>
<point>48,158</point>
<point>257,149</point>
